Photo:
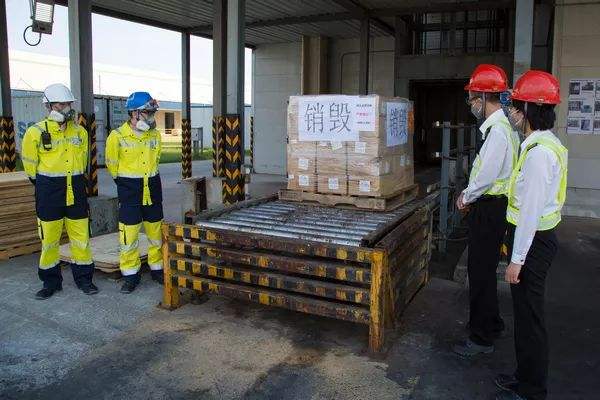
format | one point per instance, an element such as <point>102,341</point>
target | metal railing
<point>449,216</point>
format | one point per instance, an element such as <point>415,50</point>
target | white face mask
<point>477,111</point>
<point>145,124</point>
<point>66,114</point>
<point>517,121</point>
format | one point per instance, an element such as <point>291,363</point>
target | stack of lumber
<point>105,251</point>
<point>350,145</point>
<point>18,223</point>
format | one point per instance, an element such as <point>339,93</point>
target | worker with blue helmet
<point>132,158</point>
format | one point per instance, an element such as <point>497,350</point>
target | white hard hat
<point>57,93</point>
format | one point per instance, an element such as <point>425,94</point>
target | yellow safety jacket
<point>136,157</point>
<point>500,186</point>
<point>63,155</point>
<point>552,219</point>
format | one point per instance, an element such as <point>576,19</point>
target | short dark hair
<point>541,117</point>
<point>491,97</point>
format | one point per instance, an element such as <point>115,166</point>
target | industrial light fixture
<point>42,18</point>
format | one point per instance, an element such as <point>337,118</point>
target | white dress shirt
<point>496,156</point>
<point>536,192</point>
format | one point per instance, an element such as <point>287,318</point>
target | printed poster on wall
<point>335,118</point>
<point>583,117</point>
<point>397,123</point>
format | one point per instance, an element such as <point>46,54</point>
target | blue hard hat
<point>141,101</point>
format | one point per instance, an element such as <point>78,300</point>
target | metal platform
<point>310,222</point>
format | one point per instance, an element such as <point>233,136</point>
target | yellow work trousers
<point>129,244</point>
<point>79,239</point>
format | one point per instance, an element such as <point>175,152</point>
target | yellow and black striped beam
<point>90,126</point>
<point>272,297</point>
<point>186,148</point>
<point>314,287</point>
<point>218,145</point>
<point>8,146</point>
<point>252,143</point>
<point>233,184</point>
<point>302,266</point>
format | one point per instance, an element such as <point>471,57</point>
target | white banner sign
<point>334,118</point>
<point>397,124</point>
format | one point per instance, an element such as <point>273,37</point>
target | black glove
<point>31,180</point>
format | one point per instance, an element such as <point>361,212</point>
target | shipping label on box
<point>335,184</point>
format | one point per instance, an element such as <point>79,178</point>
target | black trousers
<point>531,339</point>
<point>487,226</point>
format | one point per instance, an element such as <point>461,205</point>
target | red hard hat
<point>488,78</point>
<point>537,87</point>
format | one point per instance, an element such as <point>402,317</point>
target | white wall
<point>576,56</point>
<point>276,78</point>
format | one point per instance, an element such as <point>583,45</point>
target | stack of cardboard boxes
<point>376,162</point>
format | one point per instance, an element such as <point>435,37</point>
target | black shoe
<point>506,382</point>
<point>508,395</point>
<point>470,349</point>
<point>89,288</point>
<point>128,287</point>
<point>46,293</point>
<point>158,276</point>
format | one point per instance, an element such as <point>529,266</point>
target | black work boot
<point>158,276</point>
<point>46,293</point>
<point>88,288</point>
<point>131,282</point>
<point>52,279</point>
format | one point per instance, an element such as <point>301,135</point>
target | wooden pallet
<point>105,251</point>
<point>389,203</point>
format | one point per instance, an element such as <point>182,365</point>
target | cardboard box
<point>377,149</point>
<point>332,184</point>
<point>302,182</point>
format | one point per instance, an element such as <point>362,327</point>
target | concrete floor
<point>114,346</point>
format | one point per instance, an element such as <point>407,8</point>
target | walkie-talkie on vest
<point>46,139</point>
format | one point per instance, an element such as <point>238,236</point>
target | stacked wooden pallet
<point>18,223</point>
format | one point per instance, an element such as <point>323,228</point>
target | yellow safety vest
<point>66,154</point>
<point>131,156</point>
<point>500,186</point>
<point>552,219</point>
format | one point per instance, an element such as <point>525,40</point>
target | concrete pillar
<point>402,44</point>
<point>5,102</point>
<point>314,65</point>
<point>82,79</point>
<point>235,57</point>
<point>80,54</point>
<point>363,69</point>
<point>8,148</point>
<point>219,57</point>
<point>523,37</point>
<point>186,123</point>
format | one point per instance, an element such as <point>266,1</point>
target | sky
<point>119,43</point>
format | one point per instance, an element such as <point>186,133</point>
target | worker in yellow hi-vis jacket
<point>54,155</point>
<point>132,157</point>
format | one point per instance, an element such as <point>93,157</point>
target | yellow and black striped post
<point>8,150</point>
<point>218,145</point>
<point>90,126</point>
<point>252,143</point>
<point>186,148</point>
<point>233,184</point>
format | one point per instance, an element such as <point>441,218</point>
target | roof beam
<point>286,21</point>
<point>363,12</point>
<point>415,7</point>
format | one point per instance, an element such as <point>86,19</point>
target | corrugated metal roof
<point>188,14</point>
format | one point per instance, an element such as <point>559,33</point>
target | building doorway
<point>436,100</point>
